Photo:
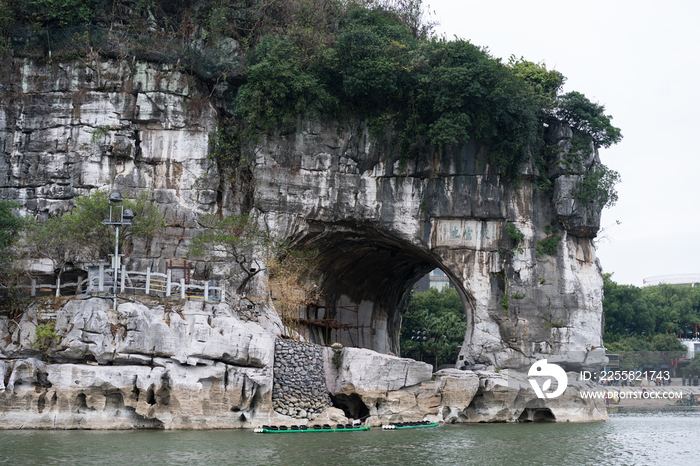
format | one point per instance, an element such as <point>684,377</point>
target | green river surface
<point>669,438</point>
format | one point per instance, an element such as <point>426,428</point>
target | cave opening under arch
<point>365,276</point>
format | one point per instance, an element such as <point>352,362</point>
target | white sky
<point>641,59</point>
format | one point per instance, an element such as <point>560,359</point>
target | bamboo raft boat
<point>305,429</point>
<point>409,425</point>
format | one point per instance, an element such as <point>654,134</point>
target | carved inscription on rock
<point>470,234</point>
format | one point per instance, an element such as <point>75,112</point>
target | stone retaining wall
<point>299,379</point>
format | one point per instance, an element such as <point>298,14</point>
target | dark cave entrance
<point>352,405</point>
<point>366,276</point>
<point>537,415</point>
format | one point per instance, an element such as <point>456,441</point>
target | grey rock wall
<point>299,385</point>
<point>69,128</point>
<point>174,366</point>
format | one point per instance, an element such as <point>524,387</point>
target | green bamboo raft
<point>268,430</point>
<point>409,425</point>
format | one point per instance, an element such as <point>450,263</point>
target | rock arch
<point>331,186</point>
<point>366,274</point>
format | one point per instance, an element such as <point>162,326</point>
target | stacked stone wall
<point>299,380</point>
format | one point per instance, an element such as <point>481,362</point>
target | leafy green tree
<point>635,351</point>
<point>649,314</point>
<point>470,96</point>
<point>80,236</point>
<point>546,84</point>
<point>373,62</point>
<point>6,22</point>
<point>586,117</point>
<point>10,271</point>
<point>56,13</point>
<point>277,88</point>
<point>693,368</point>
<point>441,313</point>
<point>10,224</point>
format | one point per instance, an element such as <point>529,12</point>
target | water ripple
<point>627,439</point>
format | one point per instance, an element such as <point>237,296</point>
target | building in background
<point>693,347</point>
<point>435,279</point>
<point>678,279</point>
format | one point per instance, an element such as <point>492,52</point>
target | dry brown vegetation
<point>293,287</point>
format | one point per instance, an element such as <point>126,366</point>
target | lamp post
<point>122,218</point>
<point>420,336</point>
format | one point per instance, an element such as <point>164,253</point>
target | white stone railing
<point>151,283</point>
<point>42,287</point>
<point>155,283</point>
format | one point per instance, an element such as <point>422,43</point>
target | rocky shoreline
<point>202,366</point>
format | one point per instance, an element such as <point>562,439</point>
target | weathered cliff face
<point>69,128</point>
<point>379,227</point>
<point>379,224</point>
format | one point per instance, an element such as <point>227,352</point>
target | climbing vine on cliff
<point>516,236</point>
<point>11,272</point>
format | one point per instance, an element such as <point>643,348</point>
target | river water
<point>627,439</point>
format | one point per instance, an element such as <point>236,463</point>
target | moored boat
<point>306,429</point>
<point>409,425</point>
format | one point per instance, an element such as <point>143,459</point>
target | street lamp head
<point>115,197</point>
<point>128,215</point>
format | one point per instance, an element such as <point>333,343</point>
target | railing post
<point>33,287</point>
<point>148,280</point>
<point>223,292</point>
<point>101,279</point>
<point>123,278</point>
<point>167,283</point>
<point>206,290</point>
<point>182,288</point>
<point>89,281</point>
